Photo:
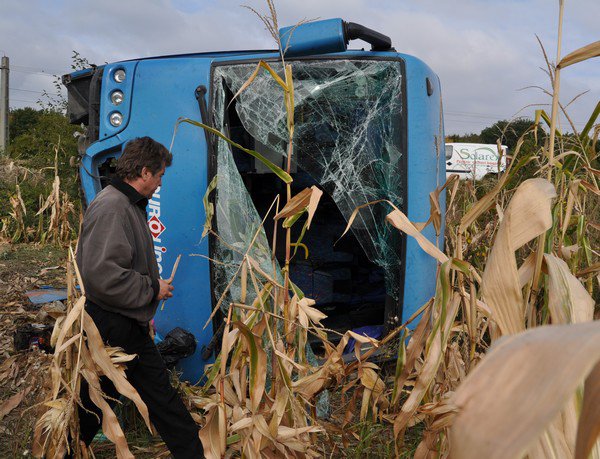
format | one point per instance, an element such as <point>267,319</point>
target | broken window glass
<point>349,138</point>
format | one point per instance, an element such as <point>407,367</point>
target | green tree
<point>464,138</point>
<point>36,134</point>
<point>22,120</point>
<point>507,131</point>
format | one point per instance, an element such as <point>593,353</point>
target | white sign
<point>473,161</point>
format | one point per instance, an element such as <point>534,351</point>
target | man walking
<point>118,267</point>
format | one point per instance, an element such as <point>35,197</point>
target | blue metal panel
<point>81,73</point>
<point>107,108</point>
<point>426,171</point>
<point>319,37</point>
<point>95,155</point>
<point>164,91</point>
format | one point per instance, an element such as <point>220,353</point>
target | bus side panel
<point>163,90</point>
<point>426,171</point>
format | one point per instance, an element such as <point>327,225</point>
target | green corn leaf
<point>299,241</point>
<point>400,362</point>
<point>279,172</point>
<point>296,290</point>
<point>590,124</point>
<point>258,365</point>
<point>289,221</point>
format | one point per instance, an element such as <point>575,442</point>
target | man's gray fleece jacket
<point>116,257</point>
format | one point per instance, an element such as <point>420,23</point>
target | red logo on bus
<point>156,226</point>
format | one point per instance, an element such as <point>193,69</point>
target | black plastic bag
<point>177,345</point>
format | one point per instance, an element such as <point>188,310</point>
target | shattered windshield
<point>349,137</point>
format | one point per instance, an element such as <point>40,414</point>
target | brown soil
<point>23,374</point>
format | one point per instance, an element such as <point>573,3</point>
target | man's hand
<point>165,289</point>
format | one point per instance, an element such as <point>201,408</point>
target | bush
<point>41,146</point>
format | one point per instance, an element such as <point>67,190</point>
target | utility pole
<point>4,104</point>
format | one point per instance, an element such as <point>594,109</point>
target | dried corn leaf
<point>552,443</point>
<point>11,403</point>
<point>118,355</point>
<point>262,427</point>
<point>488,200</point>
<point>65,327</point>
<point>209,208</point>
<point>298,203</point>
<point>567,252</point>
<point>288,360</point>
<point>306,312</point>
<point>213,434</point>
<point>527,216</point>
<point>47,438</point>
<point>593,188</point>
<point>110,424</point>
<point>102,359</point>
<point>243,423</point>
<point>581,54</point>
<point>67,343</point>
<point>413,350</point>
<point>435,211</point>
<point>401,222</point>
<point>315,197</point>
<point>371,380</point>
<point>551,361</point>
<point>589,421</point>
<point>285,433</point>
<point>363,339</point>
<point>433,358</point>
<point>568,300</point>
<point>278,410</point>
<point>571,198</point>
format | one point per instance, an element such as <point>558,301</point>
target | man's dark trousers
<point>149,375</point>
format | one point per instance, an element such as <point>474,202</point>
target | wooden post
<point>4,104</point>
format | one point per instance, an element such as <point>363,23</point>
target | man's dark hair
<point>142,152</point>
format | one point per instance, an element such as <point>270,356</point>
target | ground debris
<point>24,374</point>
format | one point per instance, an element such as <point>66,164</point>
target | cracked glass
<point>348,138</point>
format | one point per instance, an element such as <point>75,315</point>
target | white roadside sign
<point>472,161</point>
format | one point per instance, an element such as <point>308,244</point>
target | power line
<point>35,69</point>
<point>21,100</point>
<point>474,115</point>
<point>34,73</point>
<point>492,117</point>
<point>37,92</point>
<point>25,90</point>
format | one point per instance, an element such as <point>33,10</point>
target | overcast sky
<point>485,51</point>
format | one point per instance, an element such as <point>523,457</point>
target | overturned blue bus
<point>368,126</point>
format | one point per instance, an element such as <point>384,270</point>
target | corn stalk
<point>80,354</point>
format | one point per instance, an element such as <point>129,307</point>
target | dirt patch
<point>23,374</point>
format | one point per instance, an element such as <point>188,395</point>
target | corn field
<point>55,215</point>
<point>503,362</point>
